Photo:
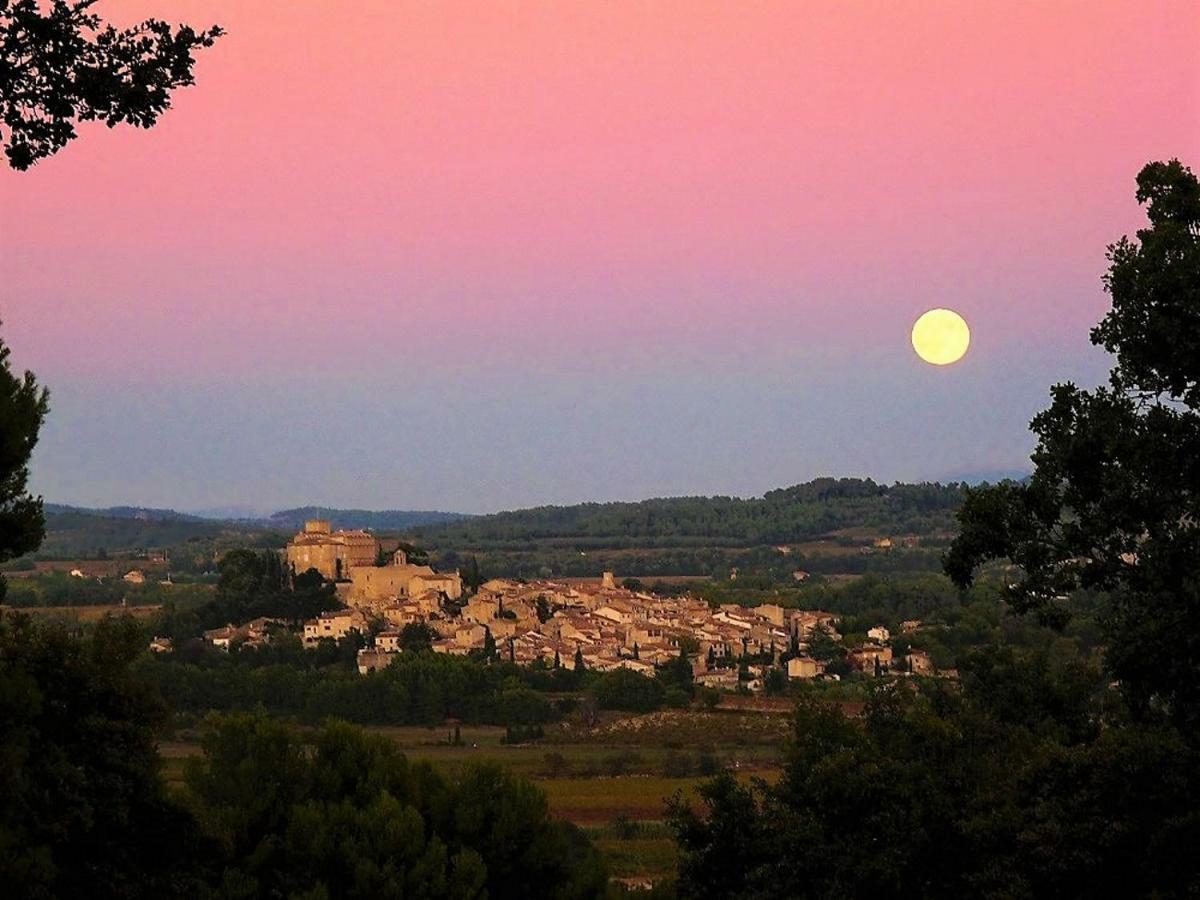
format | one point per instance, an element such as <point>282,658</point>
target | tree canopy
<point>345,814</point>
<point>84,812</point>
<point>1009,788</point>
<point>267,810</point>
<point>1114,502</point>
<point>60,64</point>
<point>23,408</point>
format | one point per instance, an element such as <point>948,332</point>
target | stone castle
<point>348,558</point>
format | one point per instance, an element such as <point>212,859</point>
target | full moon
<point>941,336</point>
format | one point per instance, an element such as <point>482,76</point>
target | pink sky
<point>592,172</point>
<point>630,184</point>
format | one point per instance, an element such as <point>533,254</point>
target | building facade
<point>332,553</point>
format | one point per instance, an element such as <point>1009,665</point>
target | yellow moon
<point>941,336</point>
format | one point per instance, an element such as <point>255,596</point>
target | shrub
<point>677,764</point>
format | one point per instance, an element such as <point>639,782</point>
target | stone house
<point>335,625</point>
<point>919,663</point>
<point>388,641</point>
<point>804,667</point>
<point>879,634</point>
<point>864,658</point>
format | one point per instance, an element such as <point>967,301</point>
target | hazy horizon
<point>232,511</point>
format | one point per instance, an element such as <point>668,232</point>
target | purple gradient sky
<point>475,256</point>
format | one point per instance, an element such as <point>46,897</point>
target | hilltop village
<point>598,625</point>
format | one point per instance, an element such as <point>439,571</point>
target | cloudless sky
<point>475,255</point>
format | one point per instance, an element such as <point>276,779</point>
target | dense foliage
<point>60,65</point>
<point>1024,784</point>
<point>252,585</point>
<point>1114,503</point>
<point>417,688</point>
<point>344,814</point>
<point>83,812</point>
<point>23,407</point>
<point>563,559</point>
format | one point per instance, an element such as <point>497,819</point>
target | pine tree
<point>23,407</point>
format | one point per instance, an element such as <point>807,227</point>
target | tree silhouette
<point>1114,503</point>
<point>62,65</point>
<point>23,408</point>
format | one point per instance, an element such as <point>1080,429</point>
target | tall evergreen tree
<point>23,408</point>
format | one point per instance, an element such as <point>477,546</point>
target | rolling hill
<point>797,513</point>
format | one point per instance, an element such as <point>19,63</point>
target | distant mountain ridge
<point>142,513</point>
<point>386,519</point>
<point>376,520</point>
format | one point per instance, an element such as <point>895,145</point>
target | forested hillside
<point>83,533</point>
<point>796,513</point>
<point>375,520</point>
<point>145,513</point>
<point>73,531</point>
<point>829,524</point>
